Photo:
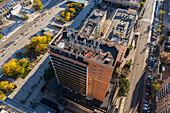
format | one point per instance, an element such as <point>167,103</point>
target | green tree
<point>124,85</point>
<point>130,46</point>
<point>25,17</point>
<point>38,5</point>
<point>1,36</point>
<point>128,64</point>
<point>142,4</point>
<point>118,70</point>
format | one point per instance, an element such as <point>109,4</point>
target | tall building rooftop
<point>96,49</point>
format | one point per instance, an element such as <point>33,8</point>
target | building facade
<point>163,97</point>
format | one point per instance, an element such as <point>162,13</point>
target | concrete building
<point>11,106</point>
<point>94,22</point>
<point>162,97</point>
<point>11,7</point>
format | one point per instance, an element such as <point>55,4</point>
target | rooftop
<point>92,21</point>
<point>11,105</point>
<point>41,108</point>
<point>121,26</point>
<point>74,45</point>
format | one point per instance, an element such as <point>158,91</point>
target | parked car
<point>148,83</point>
<point>146,102</point>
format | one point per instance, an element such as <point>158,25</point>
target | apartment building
<point>163,97</point>
<point>84,64</point>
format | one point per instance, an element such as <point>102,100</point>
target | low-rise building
<point>11,7</point>
<point>11,106</point>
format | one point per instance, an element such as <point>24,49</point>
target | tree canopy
<point>1,36</point>
<point>38,5</point>
<point>124,85</point>
<point>6,86</point>
<point>15,68</point>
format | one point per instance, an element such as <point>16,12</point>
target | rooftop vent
<point>107,61</point>
<point>61,45</point>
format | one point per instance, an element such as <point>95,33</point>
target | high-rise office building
<point>84,64</point>
<point>163,97</point>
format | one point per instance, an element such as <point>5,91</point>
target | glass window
<point>101,67</point>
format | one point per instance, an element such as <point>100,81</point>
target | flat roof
<point>17,105</point>
<point>41,108</point>
<point>92,48</point>
<point>121,26</point>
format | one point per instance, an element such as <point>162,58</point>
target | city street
<point>137,77</point>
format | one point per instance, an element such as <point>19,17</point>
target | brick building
<point>162,97</point>
<point>82,64</point>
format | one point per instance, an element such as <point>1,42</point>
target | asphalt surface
<point>137,77</point>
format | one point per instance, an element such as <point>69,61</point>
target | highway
<point>137,77</point>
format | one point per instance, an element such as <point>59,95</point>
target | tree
<point>160,22</point>
<point>118,70</point>
<point>156,86</point>
<point>69,5</point>
<point>142,4</point>
<point>6,86</point>
<point>72,10</point>
<point>2,96</point>
<point>38,5</point>
<point>161,12</point>
<point>130,46</point>
<point>12,68</point>
<point>1,36</point>
<point>25,17</point>
<point>124,85</point>
<point>159,30</point>
<point>128,64</point>
<point>162,36</point>
<point>24,63</point>
<point>160,26</point>
<point>41,48</point>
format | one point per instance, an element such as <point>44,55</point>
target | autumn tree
<point>72,10</point>
<point>24,63</point>
<point>2,96</point>
<point>41,48</point>
<point>6,86</point>
<point>25,17</point>
<point>161,12</point>
<point>156,86</point>
<point>12,68</point>
<point>1,36</point>
<point>38,5</point>
<point>15,68</point>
